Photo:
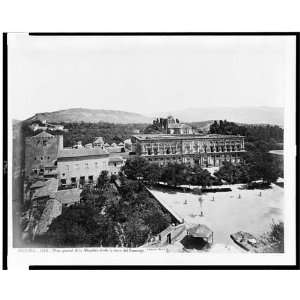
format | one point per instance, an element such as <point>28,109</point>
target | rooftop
<point>48,190</point>
<point>115,159</point>
<point>44,134</point>
<point>99,140</point>
<point>179,125</point>
<point>38,184</point>
<point>201,231</point>
<point>68,196</point>
<point>145,137</point>
<point>81,152</point>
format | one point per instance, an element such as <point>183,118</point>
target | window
<point>86,165</point>
<point>35,158</point>
<point>48,157</point>
<point>63,181</point>
<point>42,158</point>
<point>44,143</point>
<point>82,180</point>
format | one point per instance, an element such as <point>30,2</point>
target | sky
<point>147,74</point>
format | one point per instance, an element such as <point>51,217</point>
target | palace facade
<point>205,150</point>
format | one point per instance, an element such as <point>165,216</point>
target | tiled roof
<point>68,196</point>
<point>201,231</point>
<point>38,184</point>
<point>115,159</point>
<point>69,153</point>
<point>44,134</point>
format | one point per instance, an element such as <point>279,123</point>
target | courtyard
<point>225,213</point>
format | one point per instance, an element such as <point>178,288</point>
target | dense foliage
<point>258,164</point>
<point>276,237</point>
<point>174,173</point>
<point>86,132</point>
<point>109,217</point>
<point>270,135</point>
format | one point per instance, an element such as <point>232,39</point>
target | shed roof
<point>38,184</point>
<point>48,190</point>
<point>201,231</point>
<point>115,159</point>
<point>44,134</point>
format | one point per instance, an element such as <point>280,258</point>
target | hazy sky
<point>147,74</point>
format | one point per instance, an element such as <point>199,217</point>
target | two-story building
<point>204,150</point>
<point>77,167</point>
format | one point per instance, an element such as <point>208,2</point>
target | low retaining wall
<point>175,216</point>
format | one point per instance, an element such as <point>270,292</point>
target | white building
<point>99,142</point>
<point>79,166</point>
<point>115,164</point>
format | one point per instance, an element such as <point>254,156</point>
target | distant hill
<point>248,115</point>
<point>91,115</point>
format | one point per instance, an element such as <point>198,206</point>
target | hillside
<point>91,116</point>
<point>245,115</point>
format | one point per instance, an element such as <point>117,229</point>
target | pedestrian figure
<point>239,196</point>
<point>213,199</point>
<point>259,194</point>
<point>185,201</point>
<point>201,206</point>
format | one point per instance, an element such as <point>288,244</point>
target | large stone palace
<point>205,150</point>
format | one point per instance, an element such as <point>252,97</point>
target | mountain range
<point>91,115</point>
<point>246,115</point>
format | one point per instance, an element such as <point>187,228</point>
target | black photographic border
<point>296,266</point>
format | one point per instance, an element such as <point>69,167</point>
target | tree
<point>152,173</point>
<point>136,167</point>
<point>174,174</point>
<point>276,237</point>
<point>233,173</point>
<point>103,180</point>
<point>136,232</point>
